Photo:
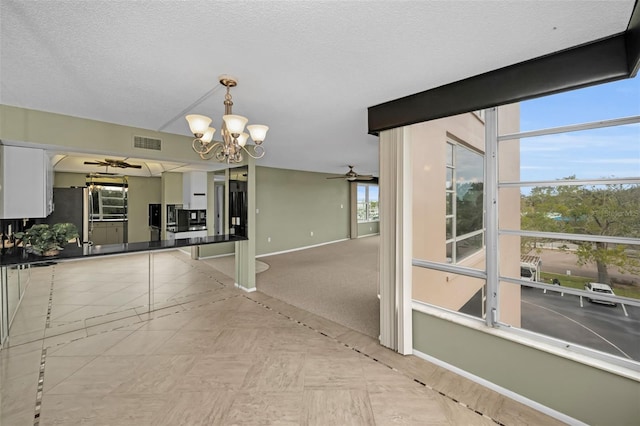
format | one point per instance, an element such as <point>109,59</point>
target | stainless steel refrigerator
<point>72,205</point>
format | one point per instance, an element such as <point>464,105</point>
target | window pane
<point>449,154</point>
<point>449,228</point>
<point>449,203</point>
<point>469,191</point>
<point>564,316</point>
<point>449,252</point>
<point>575,263</point>
<point>373,211</point>
<point>449,183</point>
<point>373,193</point>
<point>457,293</point>
<point>362,194</point>
<point>468,246</point>
<point>609,152</point>
<point>476,305</point>
<point>612,210</point>
<point>362,212</point>
<point>601,102</point>
<point>373,202</point>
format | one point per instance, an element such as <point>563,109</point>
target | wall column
<point>246,250</point>
<point>395,184</point>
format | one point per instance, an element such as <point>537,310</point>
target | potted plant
<point>46,240</point>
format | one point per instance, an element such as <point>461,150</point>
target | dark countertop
<point>19,256</point>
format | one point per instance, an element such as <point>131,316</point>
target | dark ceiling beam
<point>632,39</point>
<point>602,61</point>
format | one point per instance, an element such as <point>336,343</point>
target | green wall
<point>292,204</point>
<point>67,180</point>
<point>66,133</point>
<point>142,192</point>
<point>368,228</point>
<point>589,394</point>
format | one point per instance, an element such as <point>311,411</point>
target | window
<point>464,215</point>
<point>367,203</point>
<point>578,182</point>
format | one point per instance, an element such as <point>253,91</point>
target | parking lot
<point>597,326</point>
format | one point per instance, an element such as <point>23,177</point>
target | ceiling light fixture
<point>234,139</point>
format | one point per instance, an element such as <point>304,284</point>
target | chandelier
<point>234,139</point>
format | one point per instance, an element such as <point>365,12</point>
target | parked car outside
<point>601,289</point>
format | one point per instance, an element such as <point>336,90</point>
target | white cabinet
<point>194,191</point>
<point>107,233</point>
<point>27,183</point>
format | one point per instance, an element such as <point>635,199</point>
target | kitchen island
<point>19,256</point>
<point>120,287</point>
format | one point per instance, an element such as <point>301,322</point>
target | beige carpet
<point>337,281</point>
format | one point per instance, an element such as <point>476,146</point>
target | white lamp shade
<point>235,123</point>
<point>198,123</point>
<point>208,135</point>
<point>242,139</point>
<point>258,132</point>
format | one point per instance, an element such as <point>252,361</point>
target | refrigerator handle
<point>86,213</point>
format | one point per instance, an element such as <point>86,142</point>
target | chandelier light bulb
<point>235,123</point>
<point>208,135</point>
<point>258,132</point>
<point>198,123</point>
<point>242,139</point>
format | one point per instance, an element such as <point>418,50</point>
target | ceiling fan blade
<point>96,163</point>
<point>134,166</point>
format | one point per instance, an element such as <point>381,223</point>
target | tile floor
<point>212,354</point>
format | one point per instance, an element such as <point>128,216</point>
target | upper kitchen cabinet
<point>194,191</point>
<point>27,183</point>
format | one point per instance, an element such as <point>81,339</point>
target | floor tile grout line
<point>39,392</point>
<point>85,327</point>
<point>378,361</point>
<point>140,322</point>
<point>50,305</point>
<point>43,356</point>
<point>123,326</point>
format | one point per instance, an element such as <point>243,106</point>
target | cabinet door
<point>27,190</point>
<point>99,234</point>
<point>114,233</point>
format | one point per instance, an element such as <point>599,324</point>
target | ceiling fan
<point>108,162</point>
<point>352,176</point>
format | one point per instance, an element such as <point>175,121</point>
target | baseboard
<point>248,290</point>
<point>301,248</point>
<point>215,256</point>
<point>503,391</point>
<point>368,235</point>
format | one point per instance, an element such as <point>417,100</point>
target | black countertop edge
<point>19,256</point>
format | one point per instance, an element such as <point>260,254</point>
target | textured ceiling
<point>307,69</point>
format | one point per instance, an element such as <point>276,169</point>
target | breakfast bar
<point>16,265</point>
